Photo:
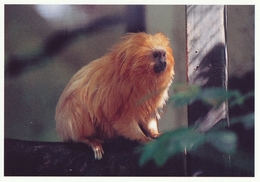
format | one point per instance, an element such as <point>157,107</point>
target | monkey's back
<point>79,112</point>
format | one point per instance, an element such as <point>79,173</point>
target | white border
<point>114,179</point>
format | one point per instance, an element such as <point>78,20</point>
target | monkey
<point>119,94</point>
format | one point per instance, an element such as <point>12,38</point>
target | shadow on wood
<point>210,72</point>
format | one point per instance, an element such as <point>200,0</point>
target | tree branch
<point>31,158</point>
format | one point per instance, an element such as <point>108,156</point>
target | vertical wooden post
<point>207,67</point>
<point>206,59</point>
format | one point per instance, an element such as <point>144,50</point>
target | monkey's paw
<point>98,152</point>
<point>156,135</point>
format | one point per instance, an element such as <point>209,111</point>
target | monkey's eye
<point>164,54</point>
<point>155,54</point>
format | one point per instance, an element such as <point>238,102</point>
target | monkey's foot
<point>98,152</point>
<point>155,135</point>
<point>96,145</point>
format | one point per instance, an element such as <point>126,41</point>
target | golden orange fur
<point>114,95</point>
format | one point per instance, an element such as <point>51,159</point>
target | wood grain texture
<point>206,59</point>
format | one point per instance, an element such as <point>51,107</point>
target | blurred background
<point>45,45</point>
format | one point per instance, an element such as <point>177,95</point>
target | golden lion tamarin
<point>118,93</point>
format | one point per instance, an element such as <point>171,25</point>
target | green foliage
<point>224,141</point>
<point>170,144</point>
<point>185,94</point>
<point>188,139</point>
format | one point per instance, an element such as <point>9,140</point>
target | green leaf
<point>247,120</point>
<point>240,99</point>
<point>224,141</point>
<point>147,152</point>
<point>170,144</point>
<point>215,96</point>
<point>184,94</point>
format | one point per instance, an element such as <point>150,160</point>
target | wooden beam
<point>207,67</point>
<point>206,59</point>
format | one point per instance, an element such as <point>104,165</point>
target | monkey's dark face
<point>159,56</point>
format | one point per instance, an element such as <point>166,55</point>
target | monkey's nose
<point>160,66</point>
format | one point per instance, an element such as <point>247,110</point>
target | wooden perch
<point>31,158</point>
